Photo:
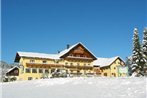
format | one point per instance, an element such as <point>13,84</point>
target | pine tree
<point>144,43</point>
<point>137,57</point>
<point>128,64</point>
<point>144,49</point>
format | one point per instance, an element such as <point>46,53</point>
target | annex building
<point>75,60</point>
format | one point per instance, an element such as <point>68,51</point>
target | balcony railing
<point>43,65</point>
<point>79,67</point>
<point>76,57</point>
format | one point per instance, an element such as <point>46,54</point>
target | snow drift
<point>77,88</point>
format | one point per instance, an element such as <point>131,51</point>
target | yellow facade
<point>24,76</point>
<point>112,69</point>
<point>76,60</point>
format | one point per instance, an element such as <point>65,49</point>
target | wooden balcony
<point>41,65</point>
<point>79,67</point>
<point>79,58</point>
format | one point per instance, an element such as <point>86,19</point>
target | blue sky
<point>46,26</point>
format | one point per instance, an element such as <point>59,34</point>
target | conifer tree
<point>144,43</point>
<point>137,58</point>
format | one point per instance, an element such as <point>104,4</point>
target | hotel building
<point>75,60</point>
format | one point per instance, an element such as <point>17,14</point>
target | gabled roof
<point>35,55</point>
<point>103,62</point>
<point>12,68</point>
<point>49,56</point>
<point>62,53</point>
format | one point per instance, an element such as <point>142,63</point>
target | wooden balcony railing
<point>76,57</point>
<point>43,65</point>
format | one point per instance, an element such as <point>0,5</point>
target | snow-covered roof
<point>38,55</point>
<point>102,62</point>
<point>71,47</point>
<point>12,68</point>
<point>48,56</point>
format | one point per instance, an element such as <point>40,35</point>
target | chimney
<point>67,46</point>
<point>58,51</point>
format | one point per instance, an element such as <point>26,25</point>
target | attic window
<point>77,49</point>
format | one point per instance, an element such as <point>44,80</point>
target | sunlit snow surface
<point>77,88</point>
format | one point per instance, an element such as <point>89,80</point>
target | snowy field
<point>77,88</point>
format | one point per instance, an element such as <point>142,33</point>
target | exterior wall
<point>22,73</point>
<point>112,70</point>
<point>105,71</point>
<point>24,76</point>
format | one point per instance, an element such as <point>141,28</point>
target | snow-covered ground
<point>77,88</point>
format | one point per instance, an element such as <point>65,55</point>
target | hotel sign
<point>122,69</point>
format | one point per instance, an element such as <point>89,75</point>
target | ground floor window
<point>34,70</point>
<point>114,74</point>
<point>28,70</point>
<point>40,71</point>
<point>30,78</point>
<point>46,71</point>
<point>105,74</point>
<point>52,70</point>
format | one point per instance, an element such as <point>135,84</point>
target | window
<point>46,71</point>
<point>34,70</point>
<point>28,70</point>
<point>52,70</point>
<point>71,64</point>
<point>81,55</point>
<point>114,75</point>
<point>32,61</point>
<point>71,71</point>
<point>77,49</point>
<point>114,67</point>
<point>30,78</point>
<point>78,64</point>
<point>66,63</point>
<point>56,61</point>
<point>40,71</point>
<point>15,71</point>
<point>105,74</point>
<point>44,62</point>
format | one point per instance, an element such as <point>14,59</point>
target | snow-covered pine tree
<point>128,64</point>
<point>144,42</point>
<point>144,49</point>
<point>137,57</point>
